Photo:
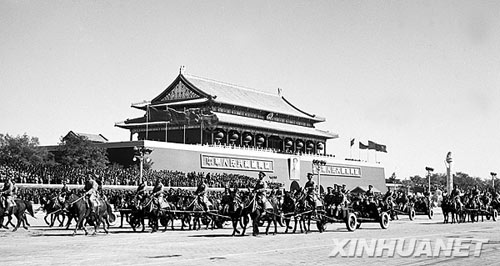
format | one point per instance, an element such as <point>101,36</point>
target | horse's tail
<point>29,208</point>
<point>111,215</point>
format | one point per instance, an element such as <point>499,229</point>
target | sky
<point>421,77</point>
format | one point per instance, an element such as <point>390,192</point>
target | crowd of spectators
<point>114,175</point>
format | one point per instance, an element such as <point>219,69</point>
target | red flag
<point>209,120</point>
<point>177,118</point>
<point>363,146</point>
<point>156,114</point>
<point>372,145</point>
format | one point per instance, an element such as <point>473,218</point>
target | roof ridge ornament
<point>279,91</point>
<point>182,70</point>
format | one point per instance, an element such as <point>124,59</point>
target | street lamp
<point>493,175</point>
<point>317,166</point>
<point>429,171</point>
<point>140,154</point>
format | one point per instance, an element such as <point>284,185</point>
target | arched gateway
<point>239,130</point>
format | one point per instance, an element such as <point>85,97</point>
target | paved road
<point>41,245</point>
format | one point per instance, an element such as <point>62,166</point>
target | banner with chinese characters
<point>339,170</point>
<point>236,163</point>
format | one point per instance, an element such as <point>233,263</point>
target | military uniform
<point>62,194</point>
<point>140,193</point>
<point>455,194</point>
<point>91,191</point>
<point>260,193</point>
<point>201,194</point>
<point>310,188</point>
<point>8,195</point>
<point>158,194</point>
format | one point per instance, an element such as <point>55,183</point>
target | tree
<point>78,151</point>
<point>23,150</point>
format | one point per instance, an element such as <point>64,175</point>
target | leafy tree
<point>23,150</point>
<point>78,151</point>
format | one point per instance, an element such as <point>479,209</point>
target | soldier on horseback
<point>8,195</point>
<point>91,192</point>
<point>369,193</point>
<point>260,191</point>
<point>157,194</point>
<point>201,193</point>
<point>344,190</point>
<point>455,195</point>
<point>310,189</point>
<point>62,193</point>
<point>140,193</point>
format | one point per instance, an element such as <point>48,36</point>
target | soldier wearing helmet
<point>7,195</point>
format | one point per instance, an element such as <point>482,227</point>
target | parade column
<point>449,178</point>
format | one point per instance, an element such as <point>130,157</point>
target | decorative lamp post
<point>316,164</point>
<point>429,172</point>
<point>449,178</point>
<point>140,153</point>
<point>493,176</point>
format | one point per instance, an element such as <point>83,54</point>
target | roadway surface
<point>41,245</point>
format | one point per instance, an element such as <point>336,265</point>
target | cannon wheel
<point>351,222</point>
<point>384,220</point>
<point>411,214</point>
<point>431,213</point>
<point>495,215</point>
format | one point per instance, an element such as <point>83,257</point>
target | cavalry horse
<point>76,206</point>
<point>53,209</point>
<point>451,206</point>
<point>193,211</point>
<point>258,215</point>
<point>289,208</point>
<point>151,209</point>
<point>304,210</point>
<point>18,210</point>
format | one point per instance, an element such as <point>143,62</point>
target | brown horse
<point>77,206</point>
<point>258,215</point>
<point>53,209</point>
<point>18,210</point>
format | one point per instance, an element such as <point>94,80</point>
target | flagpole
<point>166,131</point>
<point>350,150</point>
<point>184,128</point>
<point>147,120</point>
<point>359,152</point>
<point>201,129</point>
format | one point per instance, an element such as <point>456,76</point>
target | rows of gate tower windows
<point>235,138</point>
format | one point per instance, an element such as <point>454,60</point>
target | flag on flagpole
<point>362,146</point>
<point>372,145</point>
<point>377,147</point>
